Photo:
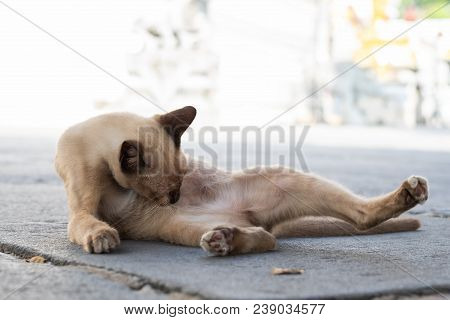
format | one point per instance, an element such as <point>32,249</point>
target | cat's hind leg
<point>297,195</point>
<point>219,233</point>
<point>225,240</point>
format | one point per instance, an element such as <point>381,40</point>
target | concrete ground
<point>33,215</point>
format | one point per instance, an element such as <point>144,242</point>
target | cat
<point>126,178</point>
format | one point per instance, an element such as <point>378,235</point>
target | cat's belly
<point>201,185</point>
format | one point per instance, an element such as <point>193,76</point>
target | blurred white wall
<point>263,56</point>
<point>45,85</point>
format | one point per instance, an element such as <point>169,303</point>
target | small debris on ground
<point>280,271</point>
<point>37,259</point>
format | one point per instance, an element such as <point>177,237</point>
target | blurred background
<point>238,62</point>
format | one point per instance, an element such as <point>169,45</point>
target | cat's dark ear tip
<point>191,109</point>
<point>186,114</point>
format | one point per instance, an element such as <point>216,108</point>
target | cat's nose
<point>174,196</point>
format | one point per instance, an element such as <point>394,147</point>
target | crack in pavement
<point>132,281</point>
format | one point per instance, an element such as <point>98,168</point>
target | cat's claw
<point>218,242</point>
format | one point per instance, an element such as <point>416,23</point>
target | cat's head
<point>154,164</point>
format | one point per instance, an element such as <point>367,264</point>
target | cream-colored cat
<point>126,177</point>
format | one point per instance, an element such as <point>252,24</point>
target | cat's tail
<point>330,227</point>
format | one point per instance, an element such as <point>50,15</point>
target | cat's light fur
<point>222,212</point>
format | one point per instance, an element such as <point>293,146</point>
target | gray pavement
<point>26,280</point>
<point>34,213</point>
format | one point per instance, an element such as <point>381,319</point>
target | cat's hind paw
<point>417,188</point>
<point>218,241</point>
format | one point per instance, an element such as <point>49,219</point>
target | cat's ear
<point>130,156</point>
<point>176,122</point>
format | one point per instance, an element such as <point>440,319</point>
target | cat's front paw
<point>417,190</point>
<point>101,239</point>
<point>218,241</point>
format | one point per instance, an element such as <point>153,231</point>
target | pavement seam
<point>132,281</point>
